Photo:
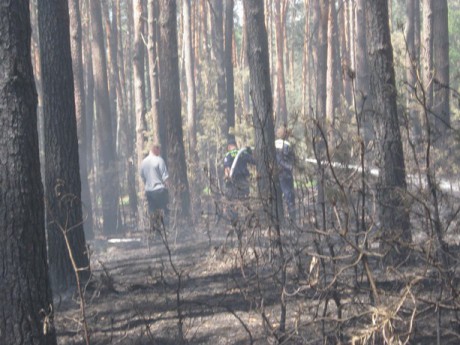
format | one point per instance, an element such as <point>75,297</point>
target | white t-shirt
<point>153,172</point>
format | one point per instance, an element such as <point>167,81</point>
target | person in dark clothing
<point>285,161</point>
<point>236,172</point>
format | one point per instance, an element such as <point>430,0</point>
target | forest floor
<point>185,290</point>
<point>216,283</point>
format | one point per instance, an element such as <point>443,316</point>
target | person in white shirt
<point>154,173</point>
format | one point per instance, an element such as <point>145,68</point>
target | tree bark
<point>412,68</point>
<point>217,45</point>
<point>152,15</point>
<point>229,65</point>
<point>391,194</point>
<point>24,287</point>
<point>331,75</point>
<point>62,171</point>
<point>262,119</point>
<point>171,107</point>
<point>347,77</point>
<point>280,22</point>
<point>139,96</point>
<point>321,59</point>
<point>261,94</point>
<point>362,64</point>
<point>108,166</point>
<point>427,53</point>
<point>80,109</point>
<point>321,9</point>
<point>306,99</point>
<point>189,72</point>
<point>441,65</point>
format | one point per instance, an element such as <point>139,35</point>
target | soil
<point>145,290</point>
<point>221,283</point>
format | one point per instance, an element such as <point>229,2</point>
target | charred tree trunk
<point>217,45</point>
<point>171,107</point>
<point>257,51</point>
<point>412,69</point>
<point>80,112</point>
<point>331,75</point>
<point>109,20</point>
<point>280,22</point>
<point>189,72</point>
<point>441,80</point>
<point>427,53</point>
<point>361,59</point>
<point>394,215</point>
<point>62,172</point>
<point>322,10</point>
<point>267,182</point>
<point>152,15</point>
<point>108,166</point>
<point>306,99</point>
<point>229,65</point>
<point>139,97</point>
<point>24,286</point>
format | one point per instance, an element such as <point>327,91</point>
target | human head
<point>231,144</point>
<point>282,133</point>
<point>156,148</point>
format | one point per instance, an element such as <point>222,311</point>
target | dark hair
<point>231,142</point>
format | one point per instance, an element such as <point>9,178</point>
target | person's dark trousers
<point>287,187</point>
<point>158,200</point>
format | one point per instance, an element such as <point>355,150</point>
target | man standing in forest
<point>285,162</point>
<point>236,172</point>
<point>155,175</point>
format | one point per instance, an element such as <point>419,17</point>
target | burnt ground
<point>221,284</point>
<point>141,290</point>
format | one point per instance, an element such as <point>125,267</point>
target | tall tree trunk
<point>36,64</point>
<point>121,140</point>
<point>245,89</point>
<point>189,69</point>
<point>347,71</point>
<point>139,97</point>
<point>80,109</point>
<point>321,59</point>
<point>257,51</point>
<point>217,45</point>
<point>441,65</point>
<point>267,182</point>
<point>417,30</point>
<point>351,39</point>
<point>24,285</point>
<point>171,107</point>
<point>412,68</point>
<point>191,104</point>
<point>152,15</point>
<point>322,10</point>
<point>427,53</point>
<point>108,166</point>
<point>331,76</point>
<point>229,65</point>
<point>361,60</point>
<point>362,99</point>
<point>111,42</point>
<point>280,22</point>
<point>394,215</point>
<point>306,62</point>
<point>62,171</point>
<point>129,121</point>
<point>89,104</point>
